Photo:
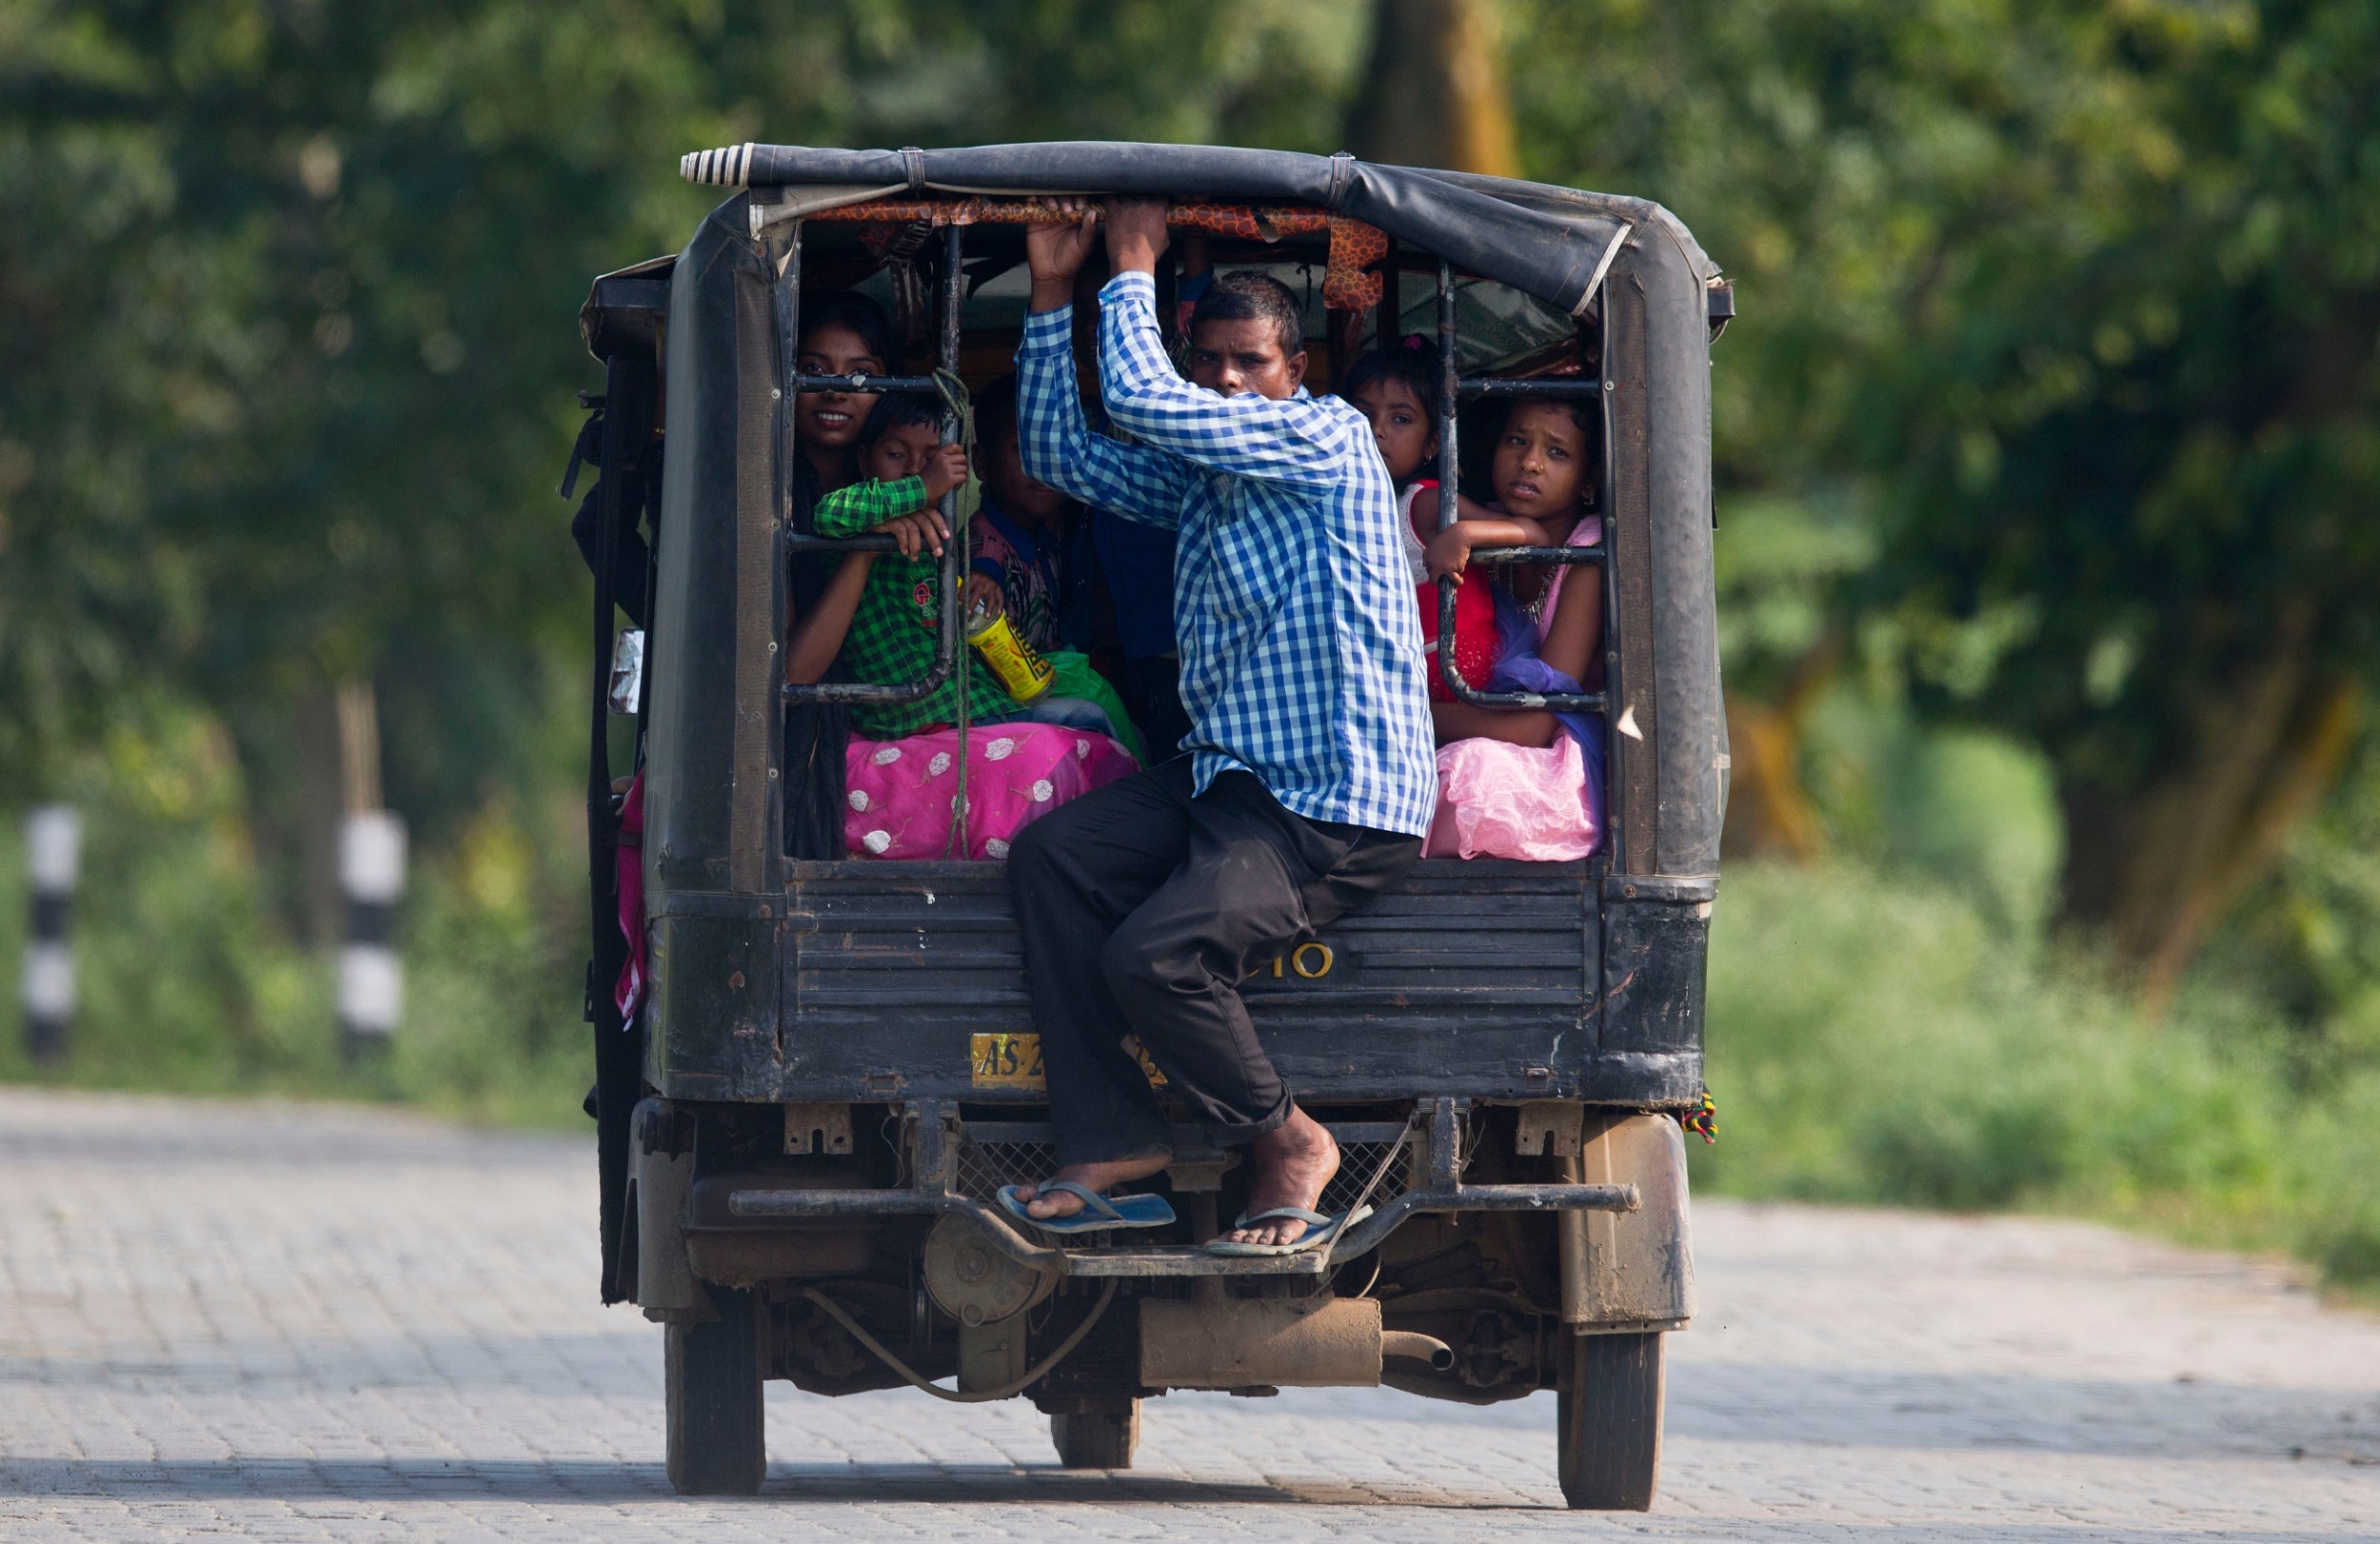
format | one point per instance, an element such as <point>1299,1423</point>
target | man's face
<point>1022,499</point>
<point>1232,357</point>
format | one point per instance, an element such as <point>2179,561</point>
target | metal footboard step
<point>961,1168</point>
<point>1179,1259</point>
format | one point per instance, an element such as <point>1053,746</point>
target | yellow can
<point>1021,670</point>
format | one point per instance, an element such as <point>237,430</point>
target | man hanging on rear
<point>1310,774</point>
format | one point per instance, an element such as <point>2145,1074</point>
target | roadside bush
<point>189,982</point>
<point>1878,1038</point>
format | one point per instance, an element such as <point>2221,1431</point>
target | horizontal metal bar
<point>1191,1261</point>
<point>814,1203</point>
<point>730,907</point>
<point>796,541</point>
<point>1273,221</point>
<point>1178,1260</point>
<point>1490,387</point>
<point>1465,692</point>
<point>1373,1230</point>
<point>1148,1260</point>
<point>1537,554</point>
<point>863,693</point>
<point>1674,889</point>
<point>1182,1137</point>
<point>865,382</point>
<point>1546,702</point>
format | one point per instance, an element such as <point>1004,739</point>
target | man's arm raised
<point>1287,440</point>
<point>1053,439</point>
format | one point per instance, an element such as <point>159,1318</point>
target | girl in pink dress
<point>1527,783</point>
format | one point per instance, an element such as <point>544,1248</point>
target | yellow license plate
<point>1006,1060</point>
<point>1015,1061</point>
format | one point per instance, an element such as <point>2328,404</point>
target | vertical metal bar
<point>1607,494</point>
<point>788,299</point>
<point>1392,314</point>
<point>1445,1139</point>
<point>1448,384</point>
<point>1449,461</point>
<point>788,352</point>
<point>955,567</point>
<point>931,1176</point>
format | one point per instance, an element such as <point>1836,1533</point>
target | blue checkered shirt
<point>1299,634</point>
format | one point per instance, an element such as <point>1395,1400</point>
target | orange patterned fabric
<point>1352,280</point>
<point>1349,280</point>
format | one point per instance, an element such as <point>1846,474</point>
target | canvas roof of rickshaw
<point>1555,243</point>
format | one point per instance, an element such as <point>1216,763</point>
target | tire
<point>711,1380</point>
<point>1097,1441</point>
<point>1609,1411</point>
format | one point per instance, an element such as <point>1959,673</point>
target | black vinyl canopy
<point>1555,243</point>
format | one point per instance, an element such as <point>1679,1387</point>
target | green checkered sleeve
<point>862,507</point>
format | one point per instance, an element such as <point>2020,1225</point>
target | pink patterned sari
<point>900,792</point>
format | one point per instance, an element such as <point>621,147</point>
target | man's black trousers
<point>1142,909</point>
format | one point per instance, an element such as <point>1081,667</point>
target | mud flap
<point>1626,1271</point>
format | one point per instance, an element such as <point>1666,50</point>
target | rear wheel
<point>711,1380</point>
<point>1097,1441</point>
<point>1610,1414</point>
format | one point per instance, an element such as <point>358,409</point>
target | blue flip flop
<point>1320,1230</point>
<point>1098,1212</point>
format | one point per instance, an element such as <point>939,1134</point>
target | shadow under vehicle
<point>833,1068</point>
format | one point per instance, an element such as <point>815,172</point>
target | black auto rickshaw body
<point>832,1068</point>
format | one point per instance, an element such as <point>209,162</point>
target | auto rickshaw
<point>827,1067</point>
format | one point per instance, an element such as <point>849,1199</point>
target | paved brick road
<point>303,1323</point>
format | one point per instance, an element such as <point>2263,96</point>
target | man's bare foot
<point>1292,1166</point>
<point>1092,1176</point>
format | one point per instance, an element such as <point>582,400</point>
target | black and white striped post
<point>371,983</point>
<point>53,850</point>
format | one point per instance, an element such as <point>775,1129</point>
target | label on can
<point>1021,670</point>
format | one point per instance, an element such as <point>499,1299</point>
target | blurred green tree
<point>2078,301</point>
<point>286,293</point>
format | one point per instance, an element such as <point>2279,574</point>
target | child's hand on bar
<point>944,469</point>
<point>922,530</point>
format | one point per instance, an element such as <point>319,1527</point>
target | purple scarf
<point>1518,669</point>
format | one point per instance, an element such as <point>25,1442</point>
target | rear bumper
<point>1179,1260</point>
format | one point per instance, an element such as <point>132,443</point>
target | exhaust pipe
<point>1405,1345</point>
<point>1241,1343</point>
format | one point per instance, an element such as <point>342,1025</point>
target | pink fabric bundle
<point>898,792</point>
<point>1497,800</point>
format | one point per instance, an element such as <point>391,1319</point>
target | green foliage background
<point>2052,392</point>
